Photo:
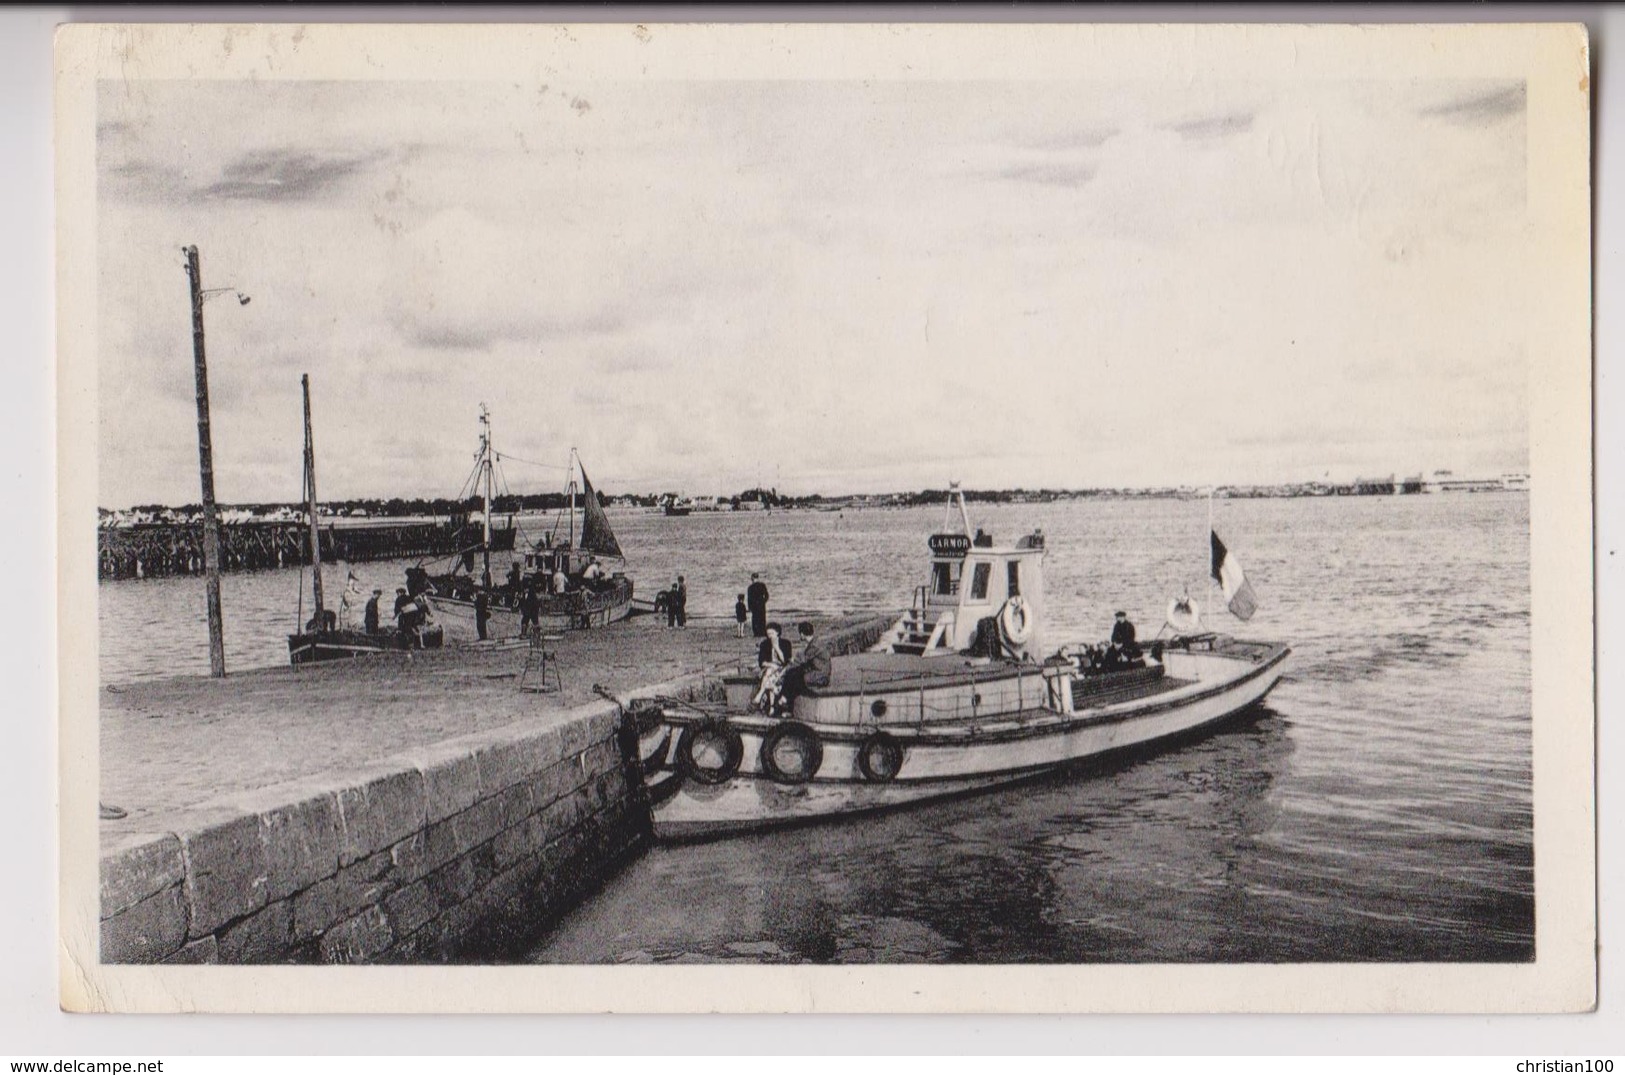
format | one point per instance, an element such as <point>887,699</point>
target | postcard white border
<point>1553,59</point>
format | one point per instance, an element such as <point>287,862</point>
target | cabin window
<point>979,581</point>
<point>941,578</point>
<point>1013,576</point>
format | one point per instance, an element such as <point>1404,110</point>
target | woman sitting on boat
<point>772,657</point>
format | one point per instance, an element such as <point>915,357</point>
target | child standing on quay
<point>741,614</point>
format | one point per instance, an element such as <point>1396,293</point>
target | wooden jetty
<point>161,549</point>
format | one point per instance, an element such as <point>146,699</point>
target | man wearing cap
<point>370,615</point>
<point>1125,648</point>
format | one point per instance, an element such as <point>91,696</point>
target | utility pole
<point>205,453</point>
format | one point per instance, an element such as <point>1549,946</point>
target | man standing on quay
<point>756,601</point>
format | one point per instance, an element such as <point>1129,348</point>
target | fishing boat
<point>959,695</point>
<point>561,579</point>
<point>323,637</point>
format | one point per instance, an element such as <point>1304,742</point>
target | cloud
<point>1076,138</point>
<point>463,330</point>
<point>1050,173</point>
<point>451,337</point>
<point>143,180</point>
<point>283,176</point>
<point>1220,126</point>
<point>1482,108</point>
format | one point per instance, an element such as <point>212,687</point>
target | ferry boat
<point>959,695</point>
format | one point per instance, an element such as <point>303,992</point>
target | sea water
<point>1376,807</point>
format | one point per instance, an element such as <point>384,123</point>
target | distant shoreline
<point>399,510</point>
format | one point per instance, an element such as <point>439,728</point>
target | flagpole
<point>1208,544</point>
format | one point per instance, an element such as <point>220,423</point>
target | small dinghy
<point>959,695</point>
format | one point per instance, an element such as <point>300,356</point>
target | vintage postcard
<point>887,518</point>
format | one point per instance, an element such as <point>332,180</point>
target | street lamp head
<point>242,300</point>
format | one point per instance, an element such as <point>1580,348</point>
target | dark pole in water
<point>205,452</point>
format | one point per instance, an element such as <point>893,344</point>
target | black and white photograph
<point>1059,518</point>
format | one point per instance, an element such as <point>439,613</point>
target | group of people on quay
<point>673,602</point>
<point>783,677</point>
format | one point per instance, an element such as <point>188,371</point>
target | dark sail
<point>596,536</point>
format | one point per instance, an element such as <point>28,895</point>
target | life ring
<point>1016,621</point>
<point>880,758</point>
<point>1184,614</point>
<point>710,753</point>
<point>791,753</point>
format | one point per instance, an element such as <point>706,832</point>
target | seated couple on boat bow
<point>782,681</point>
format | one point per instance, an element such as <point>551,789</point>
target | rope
<point>501,456</point>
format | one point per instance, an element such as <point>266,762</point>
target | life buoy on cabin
<point>792,753</point>
<point>880,757</point>
<point>710,752</point>
<point>1016,621</point>
<point>1184,614</point>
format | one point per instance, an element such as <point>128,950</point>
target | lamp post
<point>205,452</point>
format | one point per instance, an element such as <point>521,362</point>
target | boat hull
<point>948,758</point>
<point>572,612</point>
<point>312,647</point>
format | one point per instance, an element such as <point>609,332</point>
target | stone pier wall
<point>464,850</point>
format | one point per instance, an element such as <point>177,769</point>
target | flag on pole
<point>1227,572</point>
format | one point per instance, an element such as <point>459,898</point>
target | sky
<point>816,286</point>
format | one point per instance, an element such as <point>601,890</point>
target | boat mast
<point>310,503</point>
<point>570,496</point>
<point>956,494</point>
<point>485,465</point>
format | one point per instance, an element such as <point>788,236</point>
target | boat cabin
<point>979,598</point>
<point>547,558</point>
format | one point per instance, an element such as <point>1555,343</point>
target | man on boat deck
<point>482,612</point>
<point>813,670</point>
<point>1125,649</point>
<point>369,616</point>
